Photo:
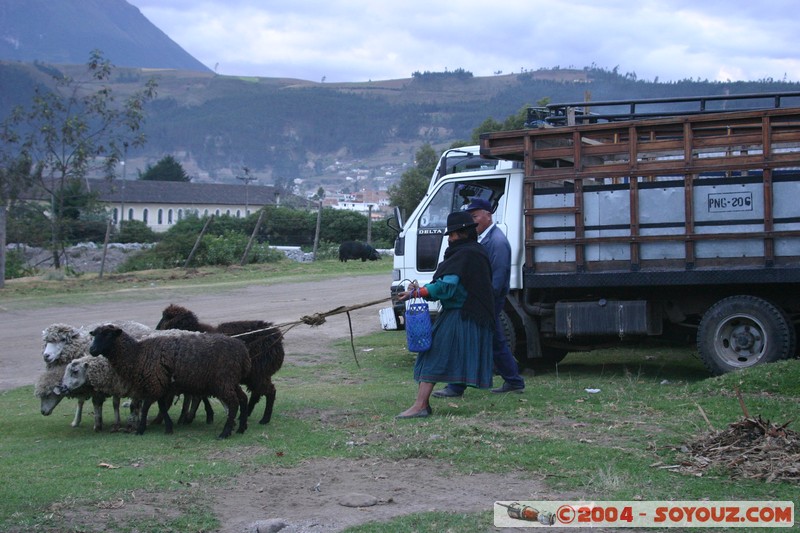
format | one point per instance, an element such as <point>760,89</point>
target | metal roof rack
<point>570,114</point>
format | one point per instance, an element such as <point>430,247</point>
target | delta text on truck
<point>676,218</point>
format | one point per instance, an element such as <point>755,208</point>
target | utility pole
<point>122,200</point>
<point>246,179</point>
<point>369,224</point>
<point>316,232</point>
<point>122,196</point>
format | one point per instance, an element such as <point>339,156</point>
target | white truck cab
<point>421,243</point>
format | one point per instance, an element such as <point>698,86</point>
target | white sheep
<point>50,392</point>
<point>94,375</point>
<point>62,344</point>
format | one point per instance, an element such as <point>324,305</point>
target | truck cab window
<point>433,222</point>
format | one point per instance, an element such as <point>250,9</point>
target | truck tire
<point>743,331</point>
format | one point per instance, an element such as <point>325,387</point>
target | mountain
<point>66,31</point>
<point>330,135</point>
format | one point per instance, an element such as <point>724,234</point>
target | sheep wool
<point>97,374</point>
<point>50,391</point>
<point>159,366</point>
<point>64,343</point>
<point>264,344</point>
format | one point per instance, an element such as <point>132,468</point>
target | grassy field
<point>627,441</point>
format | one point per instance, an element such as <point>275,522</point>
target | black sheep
<point>265,345</point>
<point>158,367</point>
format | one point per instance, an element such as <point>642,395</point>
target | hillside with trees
<point>284,129</point>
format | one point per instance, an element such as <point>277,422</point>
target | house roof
<point>182,193</point>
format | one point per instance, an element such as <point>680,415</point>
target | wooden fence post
<point>105,249</point>
<point>252,238</point>
<point>197,242</point>
<point>316,233</point>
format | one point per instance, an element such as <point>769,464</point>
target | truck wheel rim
<point>740,340</point>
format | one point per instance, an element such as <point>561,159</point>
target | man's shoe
<point>447,393</point>
<point>508,388</point>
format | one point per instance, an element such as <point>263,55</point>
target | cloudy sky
<point>361,40</point>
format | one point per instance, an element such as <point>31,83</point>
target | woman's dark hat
<point>458,220</point>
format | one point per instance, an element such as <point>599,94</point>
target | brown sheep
<point>265,346</point>
<point>159,366</point>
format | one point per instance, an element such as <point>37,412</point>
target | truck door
<point>432,223</point>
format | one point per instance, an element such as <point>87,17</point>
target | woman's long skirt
<point>460,352</point>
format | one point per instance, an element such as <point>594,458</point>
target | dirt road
<point>21,331</point>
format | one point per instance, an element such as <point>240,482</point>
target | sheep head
<point>49,401</point>
<point>104,338</point>
<point>176,317</point>
<point>56,337</point>
<point>75,374</point>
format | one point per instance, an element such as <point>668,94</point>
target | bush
<point>91,229</point>
<point>16,266</point>
<point>136,231</point>
<point>171,252</point>
<point>26,223</point>
<point>327,250</point>
<point>225,249</point>
<point>175,248</point>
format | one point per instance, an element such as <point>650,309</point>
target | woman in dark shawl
<point>461,347</point>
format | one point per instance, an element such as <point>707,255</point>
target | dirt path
<point>21,331</point>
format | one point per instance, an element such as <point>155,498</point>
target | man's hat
<point>478,203</point>
<point>458,220</point>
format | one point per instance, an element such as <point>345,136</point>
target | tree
<point>408,193</point>
<point>15,174</point>
<point>73,129</point>
<point>512,122</point>
<point>166,169</point>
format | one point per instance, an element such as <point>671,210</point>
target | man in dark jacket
<point>499,250</point>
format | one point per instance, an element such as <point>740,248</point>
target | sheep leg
<point>243,412</point>
<point>117,421</point>
<point>143,416</point>
<point>76,421</point>
<point>254,398</point>
<point>231,400</point>
<point>163,408</point>
<point>133,418</point>
<point>97,402</point>
<point>270,399</point>
<point>209,411</point>
<point>160,417</point>
<point>187,409</point>
<point>192,411</point>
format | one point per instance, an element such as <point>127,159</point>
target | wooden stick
<point>741,402</point>
<point>704,416</point>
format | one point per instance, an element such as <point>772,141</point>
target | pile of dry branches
<point>751,448</point>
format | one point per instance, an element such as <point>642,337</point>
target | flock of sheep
<point>181,356</point>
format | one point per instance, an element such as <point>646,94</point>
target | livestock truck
<point>628,222</point>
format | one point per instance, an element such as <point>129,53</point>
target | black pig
<point>357,250</point>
